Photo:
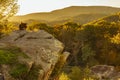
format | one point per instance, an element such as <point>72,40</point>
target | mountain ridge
<point>68,8</point>
<point>68,13</point>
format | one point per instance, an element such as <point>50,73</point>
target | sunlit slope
<point>114,18</point>
<point>81,14</point>
<point>81,19</point>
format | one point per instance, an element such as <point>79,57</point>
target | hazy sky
<point>32,6</point>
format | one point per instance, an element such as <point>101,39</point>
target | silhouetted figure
<point>23,26</point>
<point>1,77</point>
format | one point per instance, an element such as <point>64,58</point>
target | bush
<point>7,57</point>
<point>76,73</point>
<point>33,73</point>
<point>19,71</point>
<point>81,74</point>
<point>64,76</point>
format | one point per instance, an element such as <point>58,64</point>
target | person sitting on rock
<point>23,26</point>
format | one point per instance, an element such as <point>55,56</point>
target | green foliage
<point>19,71</point>
<point>87,53</point>
<point>7,9</point>
<point>58,67</point>
<point>7,27</point>
<point>90,44</point>
<point>7,57</point>
<point>116,39</point>
<point>39,26</point>
<point>64,76</point>
<point>33,73</point>
<point>87,72</point>
<point>76,74</point>
<point>100,39</point>
<point>81,74</point>
<point>13,50</point>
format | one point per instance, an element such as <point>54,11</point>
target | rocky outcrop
<point>104,72</point>
<point>42,48</point>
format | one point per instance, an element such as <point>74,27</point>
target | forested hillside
<point>79,14</point>
<point>95,43</point>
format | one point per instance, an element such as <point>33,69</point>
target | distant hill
<point>81,19</point>
<point>111,18</point>
<point>80,14</point>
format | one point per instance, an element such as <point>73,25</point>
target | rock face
<point>104,72</point>
<point>42,48</point>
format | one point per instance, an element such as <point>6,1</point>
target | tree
<point>76,73</point>
<point>7,9</point>
<point>88,55</point>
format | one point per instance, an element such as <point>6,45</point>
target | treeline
<point>7,27</point>
<point>89,44</point>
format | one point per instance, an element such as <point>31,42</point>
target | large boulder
<point>42,48</point>
<point>104,72</point>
